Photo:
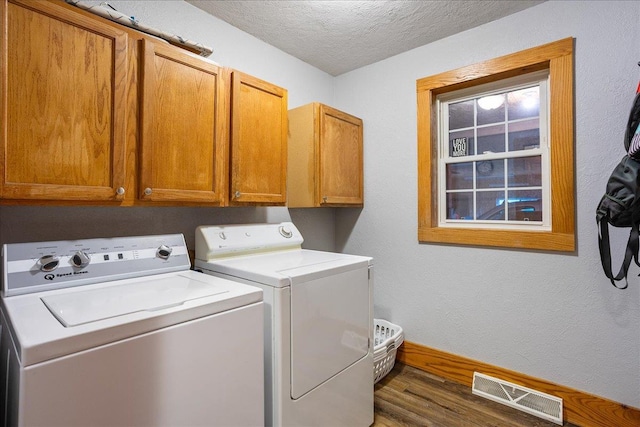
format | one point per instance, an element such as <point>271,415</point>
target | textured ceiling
<point>339,36</point>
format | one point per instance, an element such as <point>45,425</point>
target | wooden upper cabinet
<point>63,89</point>
<point>183,138</point>
<point>96,112</point>
<point>325,157</point>
<point>258,142</point>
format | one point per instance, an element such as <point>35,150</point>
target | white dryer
<point>120,332</point>
<point>318,321</point>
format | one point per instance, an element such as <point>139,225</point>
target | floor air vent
<point>533,402</point>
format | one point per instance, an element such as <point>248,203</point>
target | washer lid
<point>82,307</point>
<point>39,336</point>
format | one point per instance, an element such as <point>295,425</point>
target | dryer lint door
<point>330,316</point>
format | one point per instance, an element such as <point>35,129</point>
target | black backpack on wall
<point>620,205</point>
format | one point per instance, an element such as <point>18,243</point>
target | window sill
<point>541,240</point>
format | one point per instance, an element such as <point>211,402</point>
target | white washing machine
<point>120,332</point>
<point>318,321</point>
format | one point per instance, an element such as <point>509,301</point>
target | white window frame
<point>539,79</point>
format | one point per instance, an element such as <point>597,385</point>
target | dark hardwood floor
<point>410,397</point>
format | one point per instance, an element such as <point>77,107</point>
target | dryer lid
<point>77,308</point>
<point>284,268</point>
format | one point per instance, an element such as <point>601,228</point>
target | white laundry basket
<point>387,338</point>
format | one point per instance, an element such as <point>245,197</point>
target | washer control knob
<point>80,259</point>
<point>164,252</point>
<point>48,263</point>
<point>285,232</point>
<point>222,235</point>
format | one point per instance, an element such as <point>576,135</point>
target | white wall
<point>550,315</point>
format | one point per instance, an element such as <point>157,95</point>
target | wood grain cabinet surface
<point>258,141</point>
<point>63,87</point>
<point>183,131</point>
<point>325,157</point>
<point>101,113</point>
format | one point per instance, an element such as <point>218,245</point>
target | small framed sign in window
<point>459,147</point>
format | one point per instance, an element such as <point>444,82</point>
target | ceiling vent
<point>524,399</point>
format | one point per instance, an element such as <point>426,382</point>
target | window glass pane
<point>525,205</point>
<point>524,103</point>
<point>490,109</point>
<point>490,174</point>
<point>461,143</point>
<point>525,171</point>
<point>461,115</point>
<point>490,205</point>
<point>460,176</point>
<point>491,139</point>
<point>524,135</point>
<point>460,205</point>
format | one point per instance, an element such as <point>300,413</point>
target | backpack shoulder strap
<point>631,253</point>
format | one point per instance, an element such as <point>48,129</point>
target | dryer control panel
<point>42,266</point>
<point>221,241</point>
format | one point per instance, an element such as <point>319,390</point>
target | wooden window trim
<point>557,58</point>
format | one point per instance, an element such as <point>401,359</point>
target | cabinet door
<point>258,141</point>
<point>183,138</point>
<point>63,137</point>
<point>340,159</point>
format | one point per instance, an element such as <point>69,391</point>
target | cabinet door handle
<point>120,192</point>
<point>237,195</point>
<point>147,191</point>
<point>324,199</point>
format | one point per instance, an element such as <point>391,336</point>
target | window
<point>495,150</point>
<point>493,156</point>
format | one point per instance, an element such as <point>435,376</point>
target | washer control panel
<point>39,266</point>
